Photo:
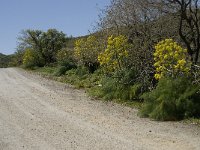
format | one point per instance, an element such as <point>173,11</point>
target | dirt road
<point>39,114</point>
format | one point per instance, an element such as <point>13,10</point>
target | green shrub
<point>111,89</point>
<point>126,76</point>
<point>69,64</point>
<point>120,86</point>
<point>45,70</point>
<point>71,77</point>
<point>32,58</point>
<point>60,71</point>
<point>65,65</point>
<point>173,99</point>
<point>81,71</point>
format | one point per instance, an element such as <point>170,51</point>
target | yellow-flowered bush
<point>86,49</point>
<point>30,58</point>
<point>170,59</point>
<point>114,56</point>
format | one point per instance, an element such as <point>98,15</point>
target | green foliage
<point>60,71</point>
<point>120,86</point>
<point>63,55</point>
<point>81,71</point>
<point>45,70</point>
<point>81,78</point>
<point>5,60</point>
<point>173,99</point>
<point>111,88</point>
<point>126,76</point>
<point>17,59</point>
<point>31,59</point>
<point>52,42</point>
<point>126,60</point>
<point>64,58</point>
<point>72,78</point>
<point>45,44</point>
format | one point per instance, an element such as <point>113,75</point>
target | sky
<point>73,17</point>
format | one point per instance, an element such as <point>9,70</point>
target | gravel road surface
<point>40,114</point>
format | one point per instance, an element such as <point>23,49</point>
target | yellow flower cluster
<point>114,55</point>
<point>86,49</point>
<point>29,57</point>
<point>170,58</point>
<point>79,48</point>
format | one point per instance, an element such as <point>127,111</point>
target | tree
<point>46,44</point>
<point>52,42</point>
<point>189,25</point>
<point>17,59</point>
<point>30,39</point>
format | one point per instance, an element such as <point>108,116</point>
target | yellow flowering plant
<point>170,59</point>
<point>29,58</point>
<point>87,49</point>
<point>114,56</point>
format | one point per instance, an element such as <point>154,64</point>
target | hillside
<point>4,60</point>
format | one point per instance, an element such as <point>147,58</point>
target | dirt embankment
<point>39,114</point>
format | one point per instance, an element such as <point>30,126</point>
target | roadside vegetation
<point>143,54</point>
<point>5,60</point>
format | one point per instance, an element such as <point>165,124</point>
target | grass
<point>97,93</point>
<point>82,79</point>
<point>91,83</point>
<point>194,121</point>
<point>45,70</point>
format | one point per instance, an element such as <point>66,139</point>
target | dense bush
<point>121,85</point>
<point>111,89</point>
<point>64,57</point>
<point>81,71</point>
<point>65,61</point>
<point>173,99</point>
<point>60,71</point>
<point>31,59</point>
<point>81,78</point>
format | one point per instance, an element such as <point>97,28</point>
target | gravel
<point>40,114</point>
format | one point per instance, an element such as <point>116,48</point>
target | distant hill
<point>4,60</point>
